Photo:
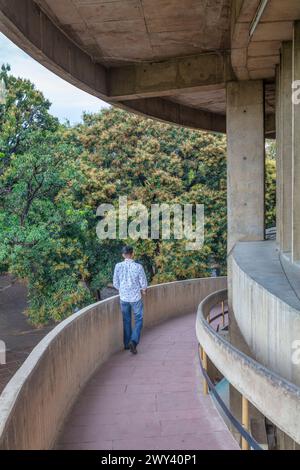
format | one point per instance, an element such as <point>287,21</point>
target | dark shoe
<point>126,348</point>
<point>132,347</point>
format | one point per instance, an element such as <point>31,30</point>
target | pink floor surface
<point>151,401</point>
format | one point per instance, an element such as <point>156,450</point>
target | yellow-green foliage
<point>53,177</point>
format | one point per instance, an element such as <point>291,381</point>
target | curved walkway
<point>152,401</point>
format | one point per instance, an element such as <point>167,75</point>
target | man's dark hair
<point>127,250</point>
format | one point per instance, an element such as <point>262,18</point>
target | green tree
<point>53,177</point>
<point>40,230</point>
<point>270,184</point>
<point>153,163</point>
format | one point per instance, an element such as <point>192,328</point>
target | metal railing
<point>219,315</point>
<point>243,429</point>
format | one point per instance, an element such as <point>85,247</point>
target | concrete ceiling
<point>169,59</point>
<point>122,32</point>
<point>255,55</point>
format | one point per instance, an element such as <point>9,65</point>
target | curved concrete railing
<point>268,311</point>
<point>273,396</point>
<point>36,401</point>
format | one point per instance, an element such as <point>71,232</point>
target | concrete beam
<point>175,113</point>
<point>243,13</point>
<point>169,77</point>
<point>28,27</point>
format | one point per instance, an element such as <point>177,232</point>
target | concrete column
<point>246,161</point>
<point>285,149</point>
<point>278,160</point>
<point>296,151</point>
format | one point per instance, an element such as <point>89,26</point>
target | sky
<point>68,102</point>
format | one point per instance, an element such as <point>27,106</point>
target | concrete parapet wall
<point>273,396</point>
<point>269,325</point>
<point>36,401</point>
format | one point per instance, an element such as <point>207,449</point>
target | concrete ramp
<point>150,401</point>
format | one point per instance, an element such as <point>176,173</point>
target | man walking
<point>130,279</point>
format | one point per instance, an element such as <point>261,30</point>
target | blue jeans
<point>138,311</point>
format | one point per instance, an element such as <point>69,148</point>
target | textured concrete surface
<point>115,32</point>
<point>263,263</point>
<point>150,401</point>
<point>157,49</point>
<point>268,312</point>
<point>266,390</point>
<point>60,365</point>
<point>245,161</point>
<point>256,48</point>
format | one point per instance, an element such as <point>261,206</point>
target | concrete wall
<point>36,401</point>
<point>268,324</point>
